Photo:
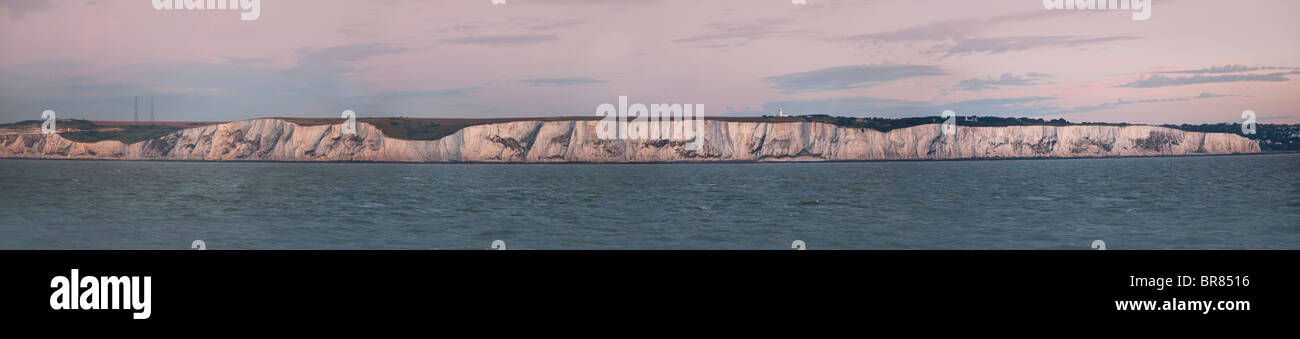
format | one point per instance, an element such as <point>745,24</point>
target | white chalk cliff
<point>576,141</point>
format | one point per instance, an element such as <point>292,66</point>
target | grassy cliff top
<point>95,131</point>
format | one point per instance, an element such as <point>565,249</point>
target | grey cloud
<point>957,37</point>
<point>596,2</point>
<point>513,31</point>
<point>739,33</point>
<point>1007,79</point>
<point>1020,43</point>
<point>938,31</point>
<point>1005,107</point>
<point>1227,69</point>
<point>333,64</point>
<point>555,82</point>
<point>434,94</point>
<point>849,77</point>
<point>944,30</point>
<point>1122,102</point>
<point>1157,80</point>
<point>345,53</point>
<point>211,91</point>
<point>249,60</point>
<point>503,40</point>
<point>20,8</point>
<point>535,24</point>
<point>893,108</point>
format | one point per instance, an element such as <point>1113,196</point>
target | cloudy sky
<point>1193,61</point>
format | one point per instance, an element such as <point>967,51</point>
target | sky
<point>1192,61</point>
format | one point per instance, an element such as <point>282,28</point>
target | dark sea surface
<point>1204,202</point>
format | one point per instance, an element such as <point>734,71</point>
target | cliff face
<point>576,141</point>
